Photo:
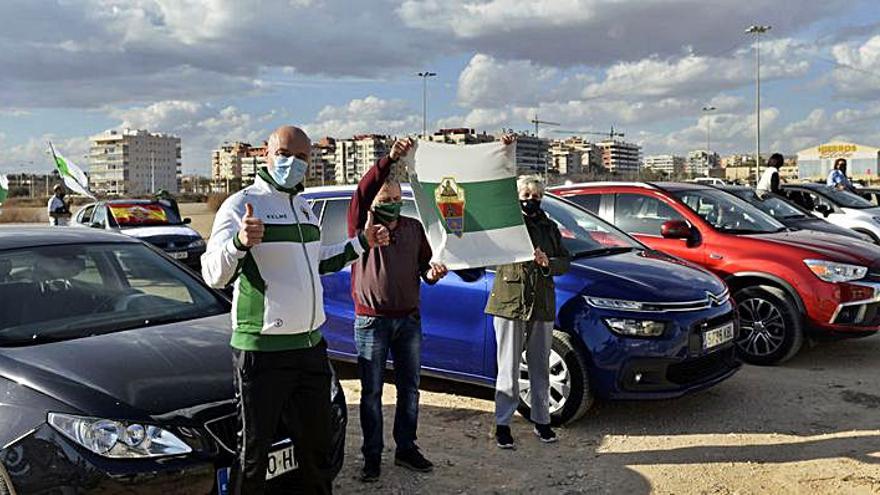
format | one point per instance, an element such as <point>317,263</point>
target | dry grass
<point>14,214</point>
<point>215,200</point>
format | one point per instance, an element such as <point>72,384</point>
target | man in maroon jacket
<point>385,284</point>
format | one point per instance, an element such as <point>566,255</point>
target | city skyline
<point>647,68</point>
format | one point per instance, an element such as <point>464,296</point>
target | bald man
<point>267,243</point>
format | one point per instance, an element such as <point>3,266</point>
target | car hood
<point>133,374</point>
<point>817,224</point>
<point>832,246</point>
<point>645,276</point>
<point>160,231</point>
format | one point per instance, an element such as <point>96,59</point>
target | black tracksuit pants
<point>290,388</point>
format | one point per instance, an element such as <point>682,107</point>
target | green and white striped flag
<point>74,178</point>
<point>4,188</point>
<point>466,197</point>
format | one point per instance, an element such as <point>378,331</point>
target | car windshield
<point>728,213</point>
<point>143,214</point>
<point>771,204</point>
<point>584,234</point>
<point>846,199</point>
<point>52,293</point>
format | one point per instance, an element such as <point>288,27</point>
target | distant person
<point>838,179</point>
<point>59,210</point>
<point>770,180</point>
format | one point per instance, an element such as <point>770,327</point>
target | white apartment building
<point>133,162</point>
<point>355,156</point>
<point>460,135</point>
<point>700,162</point>
<point>670,165</point>
<point>322,166</point>
<point>620,156</point>
<point>574,155</point>
<point>532,154</point>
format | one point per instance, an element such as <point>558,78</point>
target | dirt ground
<point>810,426</point>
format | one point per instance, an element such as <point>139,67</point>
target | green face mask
<point>387,212</point>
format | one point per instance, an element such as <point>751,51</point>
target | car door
<point>455,326</point>
<point>643,214</point>
<point>338,305</point>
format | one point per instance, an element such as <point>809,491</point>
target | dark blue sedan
<point>632,323</point>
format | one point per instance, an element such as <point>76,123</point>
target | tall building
<point>671,165</point>
<point>620,156</point>
<point>322,168</point>
<point>460,135</point>
<point>574,155</point>
<point>134,161</point>
<point>234,165</point>
<point>195,184</point>
<point>354,156</point>
<point>532,154</point>
<point>700,162</point>
<point>255,158</point>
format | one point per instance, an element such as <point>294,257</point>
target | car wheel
<point>770,326</point>
<point>570,392</point>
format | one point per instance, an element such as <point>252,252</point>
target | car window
<point>53,293</point>
<point>141,214</point>
<point>584,234</point>
<point>334,226</point>
<point>85,216</point>
<point>589,202</point>
<point>728,213</point>
<point>317,208</point>
<point>100,216</point>
<point>640,214</point>
<point>774,205</point>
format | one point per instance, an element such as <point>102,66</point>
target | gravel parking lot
<point>810,426</point>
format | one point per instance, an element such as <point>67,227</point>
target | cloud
<point>820,126</point>
<point>367,115</point>
<point>489,82</point>
<point>858,73</point>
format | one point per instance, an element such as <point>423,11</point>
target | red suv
<point>786,283</point>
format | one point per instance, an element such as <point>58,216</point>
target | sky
<point>211,71</point>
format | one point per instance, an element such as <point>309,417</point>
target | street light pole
<point>757,30</point>
<point>425,75</point>
<point>152,174</point>
<point>708,109</point>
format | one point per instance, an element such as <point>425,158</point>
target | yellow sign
<point>837,150</point>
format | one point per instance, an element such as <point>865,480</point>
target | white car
<point>842,208</point>
<point>708,181</point>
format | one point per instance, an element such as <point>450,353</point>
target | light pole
<point>757,30</point>
<point>425,75</point>
<point>152,174</point>
<point>708,109</point>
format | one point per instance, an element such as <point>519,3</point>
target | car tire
<point>568,371</point>
<point>770,326</point>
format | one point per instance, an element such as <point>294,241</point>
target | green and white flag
<point>467,199</point>
<point>74,178</point>
<point>4,188</point>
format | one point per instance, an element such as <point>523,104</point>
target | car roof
<point>16,236</point>
<point>581,185</point>
<point>321,192</point>
<point>734,188</point>
<point>130,201</point>
<point>809,185</point>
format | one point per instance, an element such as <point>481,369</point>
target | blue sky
<point>217,70</point>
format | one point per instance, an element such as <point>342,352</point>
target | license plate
<point>718,336</point>
<point>180,255</point>
<point>280,462</point>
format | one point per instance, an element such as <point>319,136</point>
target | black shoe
<point>545,433</point>
<point>414,460</point>
<point>503,437</point>
<point>371,471</point>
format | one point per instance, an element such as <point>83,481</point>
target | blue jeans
<point>374,338</point>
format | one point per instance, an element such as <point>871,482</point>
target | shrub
<point>20,215</point>
<point>215,200</point>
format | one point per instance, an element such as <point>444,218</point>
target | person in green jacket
<point>523,302</point>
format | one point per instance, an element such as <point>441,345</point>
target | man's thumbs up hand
<point>252,228</point>
<point>377,235</point>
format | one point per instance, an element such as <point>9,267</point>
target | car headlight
<point>636,328</point>
<point>831,271</point>
<point>603,303</point>
<point>196,244</point>
<point>118,439</point>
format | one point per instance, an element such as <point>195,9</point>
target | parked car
<point>842,208</point>
<point>632,323</point>
<point>709,181</point>
<point>872,194</point>
<point>790,214</point>
<point>151,221</point>
<point>116,371</point>
<point>787,284</point>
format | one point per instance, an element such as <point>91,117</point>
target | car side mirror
<point>187,221</point>
<point>676,229</point>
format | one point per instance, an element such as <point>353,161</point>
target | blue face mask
<point>289,171</point>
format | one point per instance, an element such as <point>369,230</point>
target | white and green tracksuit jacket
<point>278,300</point>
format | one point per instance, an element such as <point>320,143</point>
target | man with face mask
<point>59,210</point>
<point>385,286</point>
<point>267,241</point>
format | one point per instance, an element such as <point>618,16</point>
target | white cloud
<point>860,125</point>
<point>366,115</point>
<point>489,82</point>
<point>859,75</point>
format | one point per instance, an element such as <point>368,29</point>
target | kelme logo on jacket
<point>277,216</point>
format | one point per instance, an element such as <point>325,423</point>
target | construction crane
<point>611,135</point>
<point>537,123</point>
